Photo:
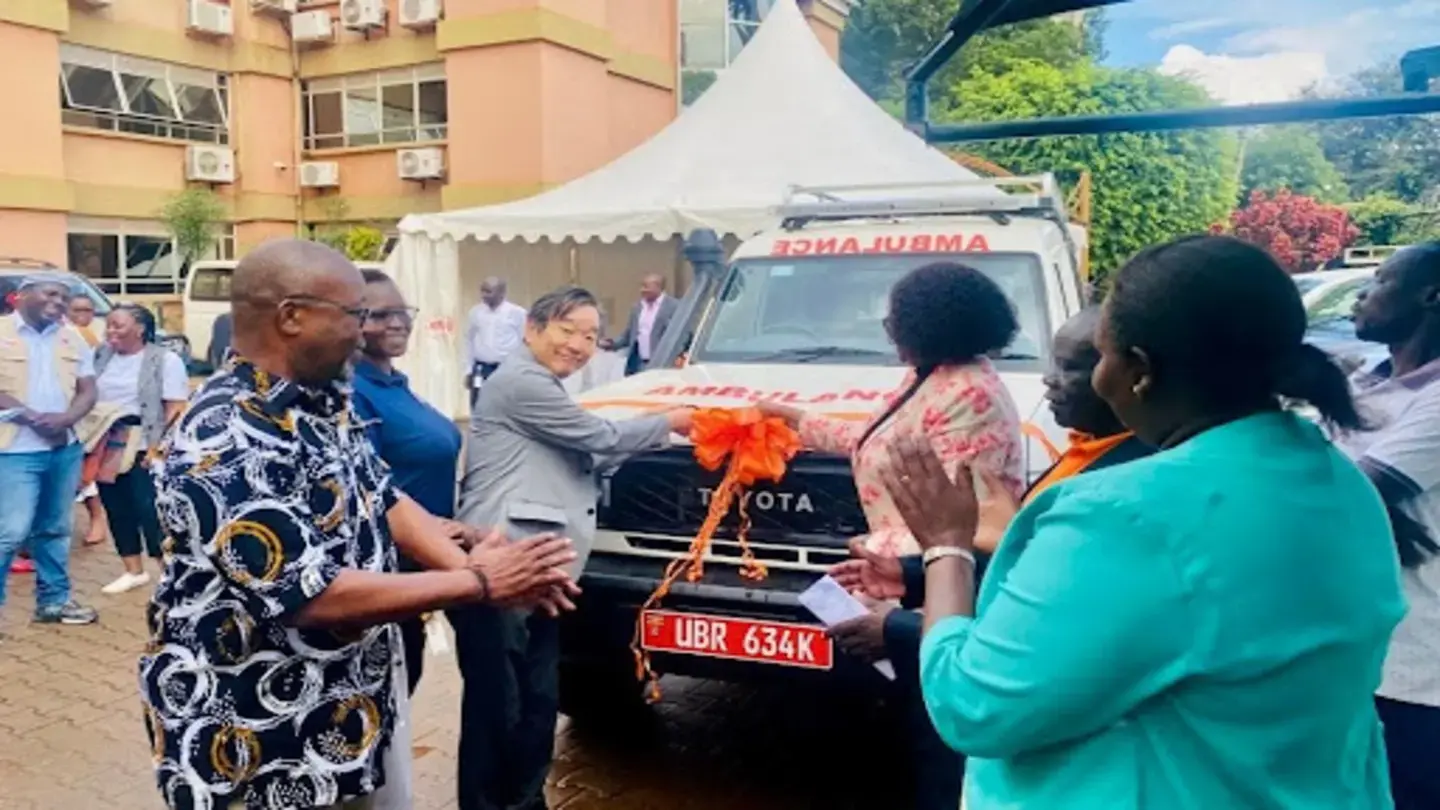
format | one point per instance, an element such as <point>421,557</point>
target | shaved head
<point>298,309</point>
<point>492,291</point>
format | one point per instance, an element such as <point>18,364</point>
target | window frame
<point>126,231</point>
<point>373,85</point>
<point>165,82</point>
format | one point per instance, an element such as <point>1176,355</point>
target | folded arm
<point>1091,621</point>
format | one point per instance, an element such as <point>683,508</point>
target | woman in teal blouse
<point>1201,629</point>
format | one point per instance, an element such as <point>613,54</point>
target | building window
<point>407,105</point>
<point>134,257</point>
<point>712,32</point>
<point>101,90</point>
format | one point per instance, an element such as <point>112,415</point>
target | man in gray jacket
<point>531,466</point>
<point>649,319</point>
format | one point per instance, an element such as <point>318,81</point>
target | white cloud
<point>1187,27</point>
<point>1278,76</point>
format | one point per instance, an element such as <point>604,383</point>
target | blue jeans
<point>38,490</point>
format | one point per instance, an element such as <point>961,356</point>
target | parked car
<point>17,268</point>
<point>1330,316</point>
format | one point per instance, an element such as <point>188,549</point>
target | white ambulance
<point>797,316</point>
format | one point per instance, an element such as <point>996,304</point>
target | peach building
<point>303,113</point>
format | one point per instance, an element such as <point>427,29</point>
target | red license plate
<point>791,645</point>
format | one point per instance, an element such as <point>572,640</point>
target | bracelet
<point>484,583</point>
<point>941,552</point>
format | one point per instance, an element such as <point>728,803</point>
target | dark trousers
<point>510,665</point>
<point>130,506</point>
<point>412,635</point>
<point>1412,735</point>
<point>939,771</point>
<point>633,363</point>
<point>483,371</point>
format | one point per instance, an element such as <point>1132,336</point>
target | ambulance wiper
<point>812,353</point>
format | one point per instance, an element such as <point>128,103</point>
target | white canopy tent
<point>782,115</point>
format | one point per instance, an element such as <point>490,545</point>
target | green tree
<point>885,37</point>
<point>1148,187</point>
<point>1398,155</point>
<point>1387,220</point>
<point>693,84</point>
<point>1291,157</point>
<point>193,219</point>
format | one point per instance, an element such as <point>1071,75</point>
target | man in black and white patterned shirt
<point>268,682</point>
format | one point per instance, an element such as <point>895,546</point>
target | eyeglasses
<point>406,315</point>
<point>358,313</point>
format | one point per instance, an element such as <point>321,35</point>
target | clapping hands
<point>528,573</point>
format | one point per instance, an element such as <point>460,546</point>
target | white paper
<point>833,605</point>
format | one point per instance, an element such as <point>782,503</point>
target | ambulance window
<point>770,309</point>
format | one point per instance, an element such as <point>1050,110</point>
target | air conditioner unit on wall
<point>312,27</point>
<point>362,15</point>
<point>210,19</point>
<point>320,174</point>
<point>94,3</point>
<point>275,7</point>
<point>209,164</point>
<point>419,14</point>
<point>421,164</point>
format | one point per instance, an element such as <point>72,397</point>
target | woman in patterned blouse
<point>944,319</point>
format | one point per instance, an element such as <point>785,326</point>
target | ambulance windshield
<point>831,309</point>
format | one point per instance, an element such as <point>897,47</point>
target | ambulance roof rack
<point>995,196</point>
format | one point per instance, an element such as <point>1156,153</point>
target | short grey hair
<point>556,304</point>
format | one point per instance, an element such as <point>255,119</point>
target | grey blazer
<point>668,305</point>
<point>530,464</point>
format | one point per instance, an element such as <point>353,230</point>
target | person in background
<point>148,385</point>
<point>1097,441</point>
<point>1399,450</point>
<point>1202,628</point>
<point>421,445</point>
<point>269,682</point>
<point>494,329</point>
<point>9,290</point>
<point>47,382</point>
<point>220,340</point>
<point>80,313</point>
<point>649,319</point>
<point>530,466</point>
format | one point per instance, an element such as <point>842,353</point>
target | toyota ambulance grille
<point>667,493</point>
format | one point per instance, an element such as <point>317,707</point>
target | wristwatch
<point>941,552</point>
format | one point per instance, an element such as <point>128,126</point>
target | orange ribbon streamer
<point>758,448</point>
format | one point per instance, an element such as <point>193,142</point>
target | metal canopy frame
<point>976,16</point>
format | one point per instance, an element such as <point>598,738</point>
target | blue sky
<point>1268,50</point>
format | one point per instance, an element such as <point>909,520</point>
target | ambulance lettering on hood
<point>850,245</point>
<point>754,395</point>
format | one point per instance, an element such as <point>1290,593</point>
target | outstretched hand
<point>874,575</point>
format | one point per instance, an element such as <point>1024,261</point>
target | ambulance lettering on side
<point>852,245</point>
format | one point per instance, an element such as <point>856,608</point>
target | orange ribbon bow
<point>758,448</point>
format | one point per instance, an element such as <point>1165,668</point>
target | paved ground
<point>71,736</point>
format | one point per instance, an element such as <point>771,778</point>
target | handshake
<point>525,574</point>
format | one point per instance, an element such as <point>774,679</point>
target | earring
<point>1137,388</point>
